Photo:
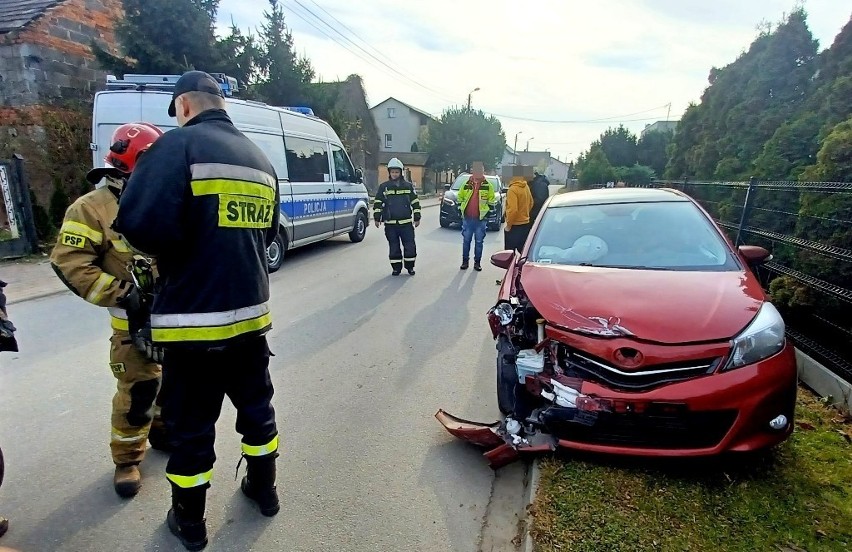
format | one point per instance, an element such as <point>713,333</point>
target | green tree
<point>239,54</point>
<point>163,37</point>
<point>619,145</point>
<point>284,77</point>
<point>652,151</point>
<point>637,175</point>
<point>460,137</point>
<point>593,167</point>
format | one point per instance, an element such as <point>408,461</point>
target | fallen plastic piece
<point>503,447</point>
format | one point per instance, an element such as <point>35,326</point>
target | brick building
<point>46,61</point>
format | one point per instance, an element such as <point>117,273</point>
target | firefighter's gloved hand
<point>138,311</point>
<point>7,329</point>
<point>145,344</point>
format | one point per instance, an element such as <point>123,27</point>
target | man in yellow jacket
<point>476,197</point>
<point>92,260</point>
<point>519,203</point>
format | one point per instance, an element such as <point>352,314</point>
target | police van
<point>322,194</point>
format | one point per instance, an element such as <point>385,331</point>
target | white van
<point>322,195</point>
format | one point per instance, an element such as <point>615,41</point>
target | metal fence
<point>807,226</point>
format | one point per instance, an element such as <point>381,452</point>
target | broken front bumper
<point>503,447</point>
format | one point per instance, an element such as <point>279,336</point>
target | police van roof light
<point>166,82</point>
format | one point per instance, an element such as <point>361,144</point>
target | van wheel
<point>360,230</point>
<point>275,253</point>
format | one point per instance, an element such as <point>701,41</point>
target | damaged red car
<point>629,324</point>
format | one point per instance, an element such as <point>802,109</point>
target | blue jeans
<point>471,228</point>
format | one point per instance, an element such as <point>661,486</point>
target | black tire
<point>359,231</point>
<point>507,376</point>
<point>275,253</point>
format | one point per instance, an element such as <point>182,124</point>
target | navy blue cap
<point>194,81</point>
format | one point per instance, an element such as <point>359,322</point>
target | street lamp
<point>468,96</point>
<point>528,143</point>
<point>515,149</point>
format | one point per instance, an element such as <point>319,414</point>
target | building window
<point>388,141</point>
<point>391,112</point>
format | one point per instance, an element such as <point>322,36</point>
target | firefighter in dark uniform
<point>7,343</point>
<point>204,200</point>
<point>398,206</point>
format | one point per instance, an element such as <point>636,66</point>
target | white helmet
<point>395,164</point>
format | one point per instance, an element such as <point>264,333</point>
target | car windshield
<point>653,236</point>
<point>464,178</point>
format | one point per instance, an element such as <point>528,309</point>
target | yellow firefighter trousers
<point>135,404</point>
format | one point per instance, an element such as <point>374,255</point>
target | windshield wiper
<point>625,267</point>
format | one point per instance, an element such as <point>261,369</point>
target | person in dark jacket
<point>398,207</point>
<point>540,189</point>
<point>7,343</point>
<point>204,201</point>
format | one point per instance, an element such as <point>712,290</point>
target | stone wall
<point>50,59</point>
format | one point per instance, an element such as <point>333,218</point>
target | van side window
<point>343,170</point>
<point>307,160</point>
<point>273,146</point>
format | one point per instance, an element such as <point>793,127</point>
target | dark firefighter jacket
<point>396,203</point>
<point>204,200</point>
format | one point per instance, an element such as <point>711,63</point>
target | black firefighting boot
<point>186,516</point>
<point>4,526</point>
<point>259,483</point>
<point>158,437</point>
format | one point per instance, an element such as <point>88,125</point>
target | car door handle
<point>329,191</point>
<point>340,190</point>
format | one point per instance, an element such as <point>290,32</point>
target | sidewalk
<point>33,278</point>
<point>29,279</point>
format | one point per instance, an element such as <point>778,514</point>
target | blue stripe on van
<point>309,207</point>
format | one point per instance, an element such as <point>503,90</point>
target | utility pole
<point>468,96</point>
<point>668,113</point>
<point>515,149</point>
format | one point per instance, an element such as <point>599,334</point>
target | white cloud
<point>540,59</point>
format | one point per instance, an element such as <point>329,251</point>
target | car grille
<point>585,366</point>
<point>687,430</point>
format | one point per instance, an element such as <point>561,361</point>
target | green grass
<point>795,497</point>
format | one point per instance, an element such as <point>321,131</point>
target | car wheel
<point>360,230</point>
<point>275,253</point>
<point>445,223</point>
<point>507,375</point>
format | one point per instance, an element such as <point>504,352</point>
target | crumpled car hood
<point>654,305</point>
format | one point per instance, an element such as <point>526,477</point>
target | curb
<point>532,489</point>
<point>42,295</point>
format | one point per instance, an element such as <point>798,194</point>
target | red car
<point>629,324</point>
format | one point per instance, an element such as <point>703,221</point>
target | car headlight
<point>505,312</point>
<point>448,201</point>
<point>762,338</point>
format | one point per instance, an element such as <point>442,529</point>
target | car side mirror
<point>503,190</point>
<point>503,259</point>
<point>359,176</point>
<point>447,186</point>
<point>754,255</point>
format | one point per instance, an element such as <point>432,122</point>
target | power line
<point>614,119</point>
<point>350,41</point>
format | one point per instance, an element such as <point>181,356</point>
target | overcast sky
<point>563,60</point>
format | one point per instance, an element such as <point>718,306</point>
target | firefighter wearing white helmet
<point>398,207</point>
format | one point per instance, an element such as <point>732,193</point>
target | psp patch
<point>245,212</point>
<point>117,367</point>
<point>73,240</point>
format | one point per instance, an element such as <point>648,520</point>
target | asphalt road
<point>363,361</point>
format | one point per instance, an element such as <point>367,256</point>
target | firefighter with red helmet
<point>94,262</point>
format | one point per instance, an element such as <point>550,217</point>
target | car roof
<point>616,195</point>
